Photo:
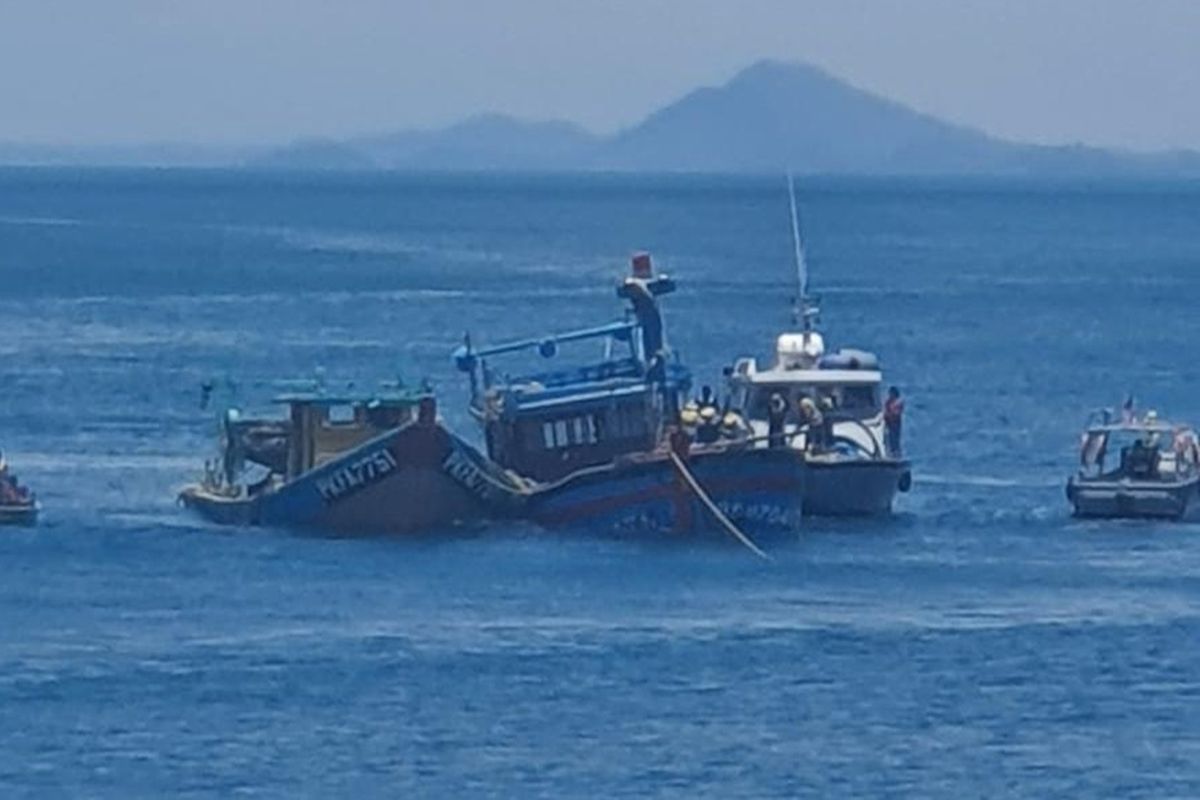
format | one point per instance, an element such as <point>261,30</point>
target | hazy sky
<point>1107,72</point>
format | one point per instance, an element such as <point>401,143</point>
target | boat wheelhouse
<point>593,438</point>
<point>1133,468</point>
<point>351,462</point>
<point>547,424</point>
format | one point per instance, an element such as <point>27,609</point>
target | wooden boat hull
<point>1128,499</point>
<point>19,514</point>
<point>760,490</point>
<point>414,479</point>
<point>854,487</point>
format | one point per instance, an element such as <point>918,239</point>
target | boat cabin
<point>847,382</point>
<point>548,423</point>
<point>320,426</point>
<point>1152,450</point>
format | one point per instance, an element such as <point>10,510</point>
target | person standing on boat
<point>893,422</point>
<point>776,417</point>
<point>710,420</point>
<point>814,422</point>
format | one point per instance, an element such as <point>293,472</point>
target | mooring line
<point>696,488</point>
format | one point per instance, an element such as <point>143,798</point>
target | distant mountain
<point>769,118</point>
<point>152,154</point>
<point>484,142</point>
<point>487,141</point>
<point>773,117</point>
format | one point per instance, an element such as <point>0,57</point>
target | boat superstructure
<point>1147,468</point>
<point>352,462</point>
<point>596,438</point>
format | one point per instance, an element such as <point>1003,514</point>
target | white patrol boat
<point>1137,469</point>
<point>851,471</point>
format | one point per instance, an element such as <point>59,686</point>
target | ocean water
<point>980,643</point>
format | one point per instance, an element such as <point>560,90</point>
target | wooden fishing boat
<point>353,463</point>
<point>601,444</point>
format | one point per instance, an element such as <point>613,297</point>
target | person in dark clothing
<point>893,422</point>
<point>709,429</point>
<point>776,417</point>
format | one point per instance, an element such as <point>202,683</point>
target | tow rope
<point>719,515</point>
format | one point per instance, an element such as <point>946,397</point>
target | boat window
<point>343,414</point>
<point>548,435</point>
<point>560,433</point>
<point>859,398</point>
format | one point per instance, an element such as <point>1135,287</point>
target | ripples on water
<point>980,643</point>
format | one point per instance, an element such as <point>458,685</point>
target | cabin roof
<point>579,395</point>
<point>1137,427</point>
<point>393,397</point>
<point>851,377</point>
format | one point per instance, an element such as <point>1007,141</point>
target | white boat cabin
<point>846,386</point>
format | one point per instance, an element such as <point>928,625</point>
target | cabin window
<point>560,433</point>
<point>859,398</point>
<point>343,414</point>
<point>548,435</point>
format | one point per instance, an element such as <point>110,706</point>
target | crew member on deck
<point>814,421</point>
<point>893,422</point>
<point>710,418</point>
<point>776,417</point>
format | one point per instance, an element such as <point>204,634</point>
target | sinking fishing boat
<point>1156,473</point>
<point>601,445</point>
<point>348,462</point>
<point>18,504</point>
<point>853,469</point>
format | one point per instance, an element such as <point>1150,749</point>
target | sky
<point>1106,72</point>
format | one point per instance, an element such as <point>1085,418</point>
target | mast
<point>803,311</point>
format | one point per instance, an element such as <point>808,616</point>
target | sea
<point>979,643</point>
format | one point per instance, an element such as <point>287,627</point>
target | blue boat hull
<point>759,490</point>
<point>19,513</point>
<point>413,479</point>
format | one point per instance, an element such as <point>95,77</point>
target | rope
<point>712,507</point>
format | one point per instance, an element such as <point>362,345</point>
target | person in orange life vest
<point>893,422</point>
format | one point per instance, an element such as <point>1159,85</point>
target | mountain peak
<point>770,117</point>
<point>770,71</point>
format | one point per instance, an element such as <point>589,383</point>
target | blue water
<point>979,644</point>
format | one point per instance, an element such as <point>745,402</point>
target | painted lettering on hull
<point>357,475</point>
<point>463,469</point>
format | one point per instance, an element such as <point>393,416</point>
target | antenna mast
<point>802,312</point>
